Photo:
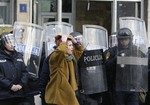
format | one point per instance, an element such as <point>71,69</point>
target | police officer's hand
<point>64,38</point>
<point>19,87</point>
<point>15,88</point>
<point>72,38</point>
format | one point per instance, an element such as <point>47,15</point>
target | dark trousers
<point>30,99</point>
<point>51,104</point>
<point>107,98</point>
<point>43,101</point>
<point>147,100</point>
<point>94,99</point>
<point>126,98</point>
<point>14,101</point>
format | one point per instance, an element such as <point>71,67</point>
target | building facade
<point>105,13</point>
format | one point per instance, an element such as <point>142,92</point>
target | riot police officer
<point>91,67</point>
<point>147,95</point>
<point>126,76</point>
<point>13,73</point>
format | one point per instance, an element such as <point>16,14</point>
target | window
<point>51,5</point>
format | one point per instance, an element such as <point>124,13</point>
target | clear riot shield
<point>91,69</point>
<point>113,40</point>
<point>29,39</point>
<point>51,30</point>
<point>95,37</point>
<point>138,28</point>
<point>132,62</point>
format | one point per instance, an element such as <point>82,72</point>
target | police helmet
<point>6,37</point>
<point>78,36</point>
<point>75,34</point>
<point>124,33</point>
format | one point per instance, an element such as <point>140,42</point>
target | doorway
<point>48,11</point>
<point>51,18</point>
<point>106,13</point>
<point>93,12</point>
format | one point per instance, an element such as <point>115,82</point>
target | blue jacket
<point>12,71</point>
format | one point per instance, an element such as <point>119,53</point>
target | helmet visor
<point>9,38</point>
<point>79,38</point>
<point>124,35</point>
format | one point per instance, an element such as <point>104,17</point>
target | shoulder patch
<point>107,55</point>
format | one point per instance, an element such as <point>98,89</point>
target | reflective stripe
<point>1,61</point>
<point>20,60</point>
<point>132,60</point>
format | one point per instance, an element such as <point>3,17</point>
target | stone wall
<point>23,10</point>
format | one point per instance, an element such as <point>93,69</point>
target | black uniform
<point>118,77</point>
<point>44,78</point>
<point>111,75</point>
<point>12,71</point>
<point>147,99</point>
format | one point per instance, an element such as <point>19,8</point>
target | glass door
<point>48,11</point>
<point>93,12</point>
<point>52,18</point>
